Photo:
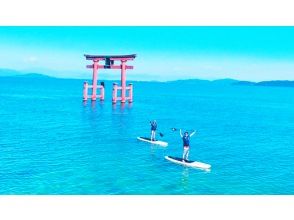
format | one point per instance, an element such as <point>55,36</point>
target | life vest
<point>186,140</point>
<point>153,126</point>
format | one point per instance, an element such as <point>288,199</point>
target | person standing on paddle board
<point>186,143</point>
<point>153,129</point>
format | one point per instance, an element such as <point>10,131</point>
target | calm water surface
<point>53,143</point>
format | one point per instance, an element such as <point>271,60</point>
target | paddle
<point>176,129</point>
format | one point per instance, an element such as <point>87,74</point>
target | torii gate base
<point>94,95</point>
<point>109,64</point>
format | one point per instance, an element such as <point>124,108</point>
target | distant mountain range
<point>278,83</point>
<point>204,81</point>
<point>33,75</point>
<point>16,73</point>
<point>9,72</point>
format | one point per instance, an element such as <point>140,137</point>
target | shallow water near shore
<point>53,143</point>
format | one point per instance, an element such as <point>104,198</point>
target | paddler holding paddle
<point>186,143</point>
<point>153,129</point>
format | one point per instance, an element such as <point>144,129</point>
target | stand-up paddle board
<point>161,143</point>
<point>188,163</point>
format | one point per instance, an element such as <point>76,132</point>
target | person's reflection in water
<point>152,151</point>
<point>185,178</point>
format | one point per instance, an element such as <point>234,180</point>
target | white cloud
<point>31,59</point>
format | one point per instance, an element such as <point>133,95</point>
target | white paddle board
<point>160,143</point>
<point>188,163</point>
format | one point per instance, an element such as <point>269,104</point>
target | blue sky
<point>164,53</point>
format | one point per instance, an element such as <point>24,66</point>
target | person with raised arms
<point>186,143</point>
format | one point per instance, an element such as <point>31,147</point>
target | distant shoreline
<point>271,83</point>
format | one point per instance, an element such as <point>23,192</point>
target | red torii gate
<point>109,64</point>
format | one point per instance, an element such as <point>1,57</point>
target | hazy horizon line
<point>22,74</point>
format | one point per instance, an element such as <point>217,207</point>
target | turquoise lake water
<point>53,143</point>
